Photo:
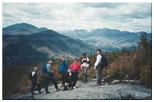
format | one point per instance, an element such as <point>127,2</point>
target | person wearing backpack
<point>49,76</point>
<point>101,62</point>
<point>33,77</point>
<point>84,66</point>
<point>63,70</point>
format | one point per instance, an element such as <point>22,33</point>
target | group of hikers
<point>69,76</point>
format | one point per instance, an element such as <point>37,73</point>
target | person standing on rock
<point>75,68</point>
<point>84,66</point>
<point>33,77</point>
<point>49,76</point>
<point>63,70</point>
<point>98,67</point>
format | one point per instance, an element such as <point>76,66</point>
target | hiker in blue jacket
<point>63,70</point>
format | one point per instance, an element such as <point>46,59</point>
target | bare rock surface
<point>90,91</point>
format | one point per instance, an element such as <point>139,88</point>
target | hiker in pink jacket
<point>75,68</point>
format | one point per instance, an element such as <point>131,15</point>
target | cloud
<point>102,5</point>
<point>69,16</point>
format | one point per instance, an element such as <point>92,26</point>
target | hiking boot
<point>85,81</point>
<point>62,85</point>
<point>58,89</point>
<point>32,94</point>
<point>40,92</point>
<point>82,80</point>
<point>65,89</point>
<point>98,84</point>
<point>47,92</point>
<point>103,83</point>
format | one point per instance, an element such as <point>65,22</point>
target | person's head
<point>63,58</point>
<point>35,69</point>
<point>69,70</point>
<point>51,61</point>
<point>76,60</point>
<point>84,55</point>
<point>98,51</point>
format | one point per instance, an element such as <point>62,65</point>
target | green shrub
<point>146,76</point>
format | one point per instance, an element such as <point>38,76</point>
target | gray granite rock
<point>90,91</point>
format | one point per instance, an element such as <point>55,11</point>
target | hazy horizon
<point>132,17</point>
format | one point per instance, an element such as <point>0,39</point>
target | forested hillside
<point>123,64</point>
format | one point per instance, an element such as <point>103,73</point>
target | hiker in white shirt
<point>98,60</point>
<point>98,68</point>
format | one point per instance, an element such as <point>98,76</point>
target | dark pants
<point>73,83</point>
<point>34,83</point>
<point>62,77</point>
<point>76,77</point>
<point>84,69</point>
<point>70,85</point>
<point>99,74</point>
<point>47,80</point>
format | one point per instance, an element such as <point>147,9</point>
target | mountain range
<point>26,43</point>
<point>22,28</point>
<point>26,48</point>
<point>109,39</point>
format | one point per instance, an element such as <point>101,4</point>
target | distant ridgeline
<point>25,44</point>
<point>108,39</point>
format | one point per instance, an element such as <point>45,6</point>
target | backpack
<point>44,69</point>
<point>65,65</point>
<point>30,75</point>
<point>104,61</point>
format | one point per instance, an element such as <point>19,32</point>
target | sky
<point>132,17</point>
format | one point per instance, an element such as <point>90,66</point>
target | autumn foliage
<point>124,64</point>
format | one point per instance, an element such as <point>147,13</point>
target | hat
<point>51,59</point>
<point>84,54</point>
<point>35,68</point>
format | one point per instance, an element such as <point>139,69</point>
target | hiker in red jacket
<point>75,68</point>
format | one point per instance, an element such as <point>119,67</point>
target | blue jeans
<point>47,80</point>
<point>99,74</point>
<point>84,73</point>
<point>62,77</point>
<point>76,74</point>
<point>76,77</point>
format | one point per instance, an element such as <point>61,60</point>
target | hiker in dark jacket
<point>49,76</point>
<point>70,80</point>
<point>63,70</point>
<point>34,81</point>
<point>84,66</point>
